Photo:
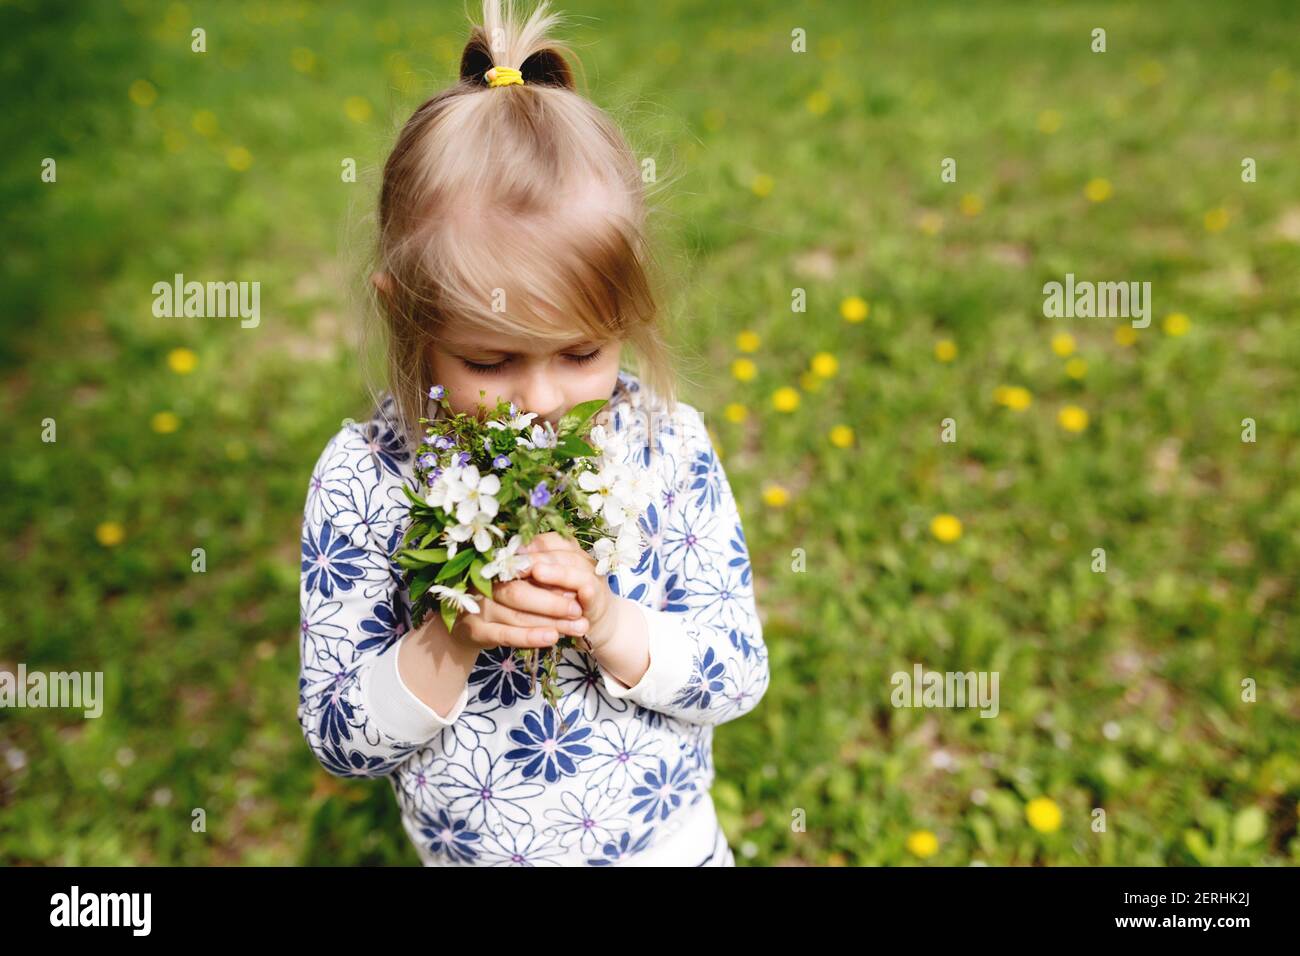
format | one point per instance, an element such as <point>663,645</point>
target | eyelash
<point>489,369</point>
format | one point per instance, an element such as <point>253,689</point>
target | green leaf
<point>476,575</point>
<point>421,583</point>
<point>425,556</point>
<point>579,415</point>
<point>448,615</point>
<point>456,565</point>
<point>571,446</point>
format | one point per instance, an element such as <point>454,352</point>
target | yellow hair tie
<point>504,76</point>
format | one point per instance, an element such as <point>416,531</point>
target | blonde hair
<point>523,196</point>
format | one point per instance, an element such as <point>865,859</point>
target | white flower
<point>620,552</point>
<point>610,446</point>
<point>516,421</point>
<point>480,528</point>
<point>477,495</point>
<point>541,437</point>
<point>459,599</point>
<point>505,564</point>
<point>602,486</point>
<point>446,490</point>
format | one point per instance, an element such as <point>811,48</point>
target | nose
<point>541,393</point>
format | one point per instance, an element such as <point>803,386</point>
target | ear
<point>383,282</point>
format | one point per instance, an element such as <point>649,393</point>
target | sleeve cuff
<point>394,707</point>
<point>672,660</point>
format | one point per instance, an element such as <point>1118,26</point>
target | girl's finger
<point>523,595</point>
<point>498,613</point>
<point>568,576</point>
<point>504,635</point>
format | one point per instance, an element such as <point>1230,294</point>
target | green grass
<point>1199,527</point>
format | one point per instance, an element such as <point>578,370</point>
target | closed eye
<point>488,369</point>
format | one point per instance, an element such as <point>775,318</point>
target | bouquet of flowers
<point>492,484</point>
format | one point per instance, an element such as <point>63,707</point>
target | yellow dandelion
<point>1076,368</point>
<point>1098,190</point>
<point>142,93</point>
<point>182,361</point>
<point>1126,336</point>
<point>744,369</point>
<point>971,205</point>
<point>855,309</point>
<point>109,533</point>
<point>1176,323</point>
<point>785,399</point>
<point>818,102</point>
<point>1049,121</point>
<point>825,364</point>
<point>1216,220</point>
<point>945,350</point>
<point>1063,344</point>
<point>1072,418</point>
<point>775,496</point>
<point>930,223</point>
<point>1015,397</point>
<point>357,109</point>
<point>238,158</point>
<point>164,423</point>
<point>205,123</point>
<point>922,843</point>
<point>1043,814</point>
<point>302,59</point>
<point>735,412</point>
<point>762,184</point>
<point>810,382</point>
<point>748,341</point>
<point>946,528</point>
<point>841,436</point>
<point>174,141</point>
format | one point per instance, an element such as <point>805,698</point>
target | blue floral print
<point>504,779</point>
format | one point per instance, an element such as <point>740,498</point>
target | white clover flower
<point>459,599</point>
<point>506,565</point>
<point>480,528</point>
<point>477,494</point>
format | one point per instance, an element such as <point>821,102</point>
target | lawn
<point>1161,691</point>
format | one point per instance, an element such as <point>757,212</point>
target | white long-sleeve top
<point>493,781</point>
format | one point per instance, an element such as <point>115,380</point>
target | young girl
<point>512,262</point>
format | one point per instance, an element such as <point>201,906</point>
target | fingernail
<point>575,609</point>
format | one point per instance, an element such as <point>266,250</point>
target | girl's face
<point>543,377</point>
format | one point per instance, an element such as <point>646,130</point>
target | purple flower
<point>442,443</point>
<point>461,459</point>
<point>437,392</point>
<point>428,460</point>
<point>540,496</point>
<point>501,461</point>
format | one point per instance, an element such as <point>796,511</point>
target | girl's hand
<point>559,562</point>
<point>521,614</point>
